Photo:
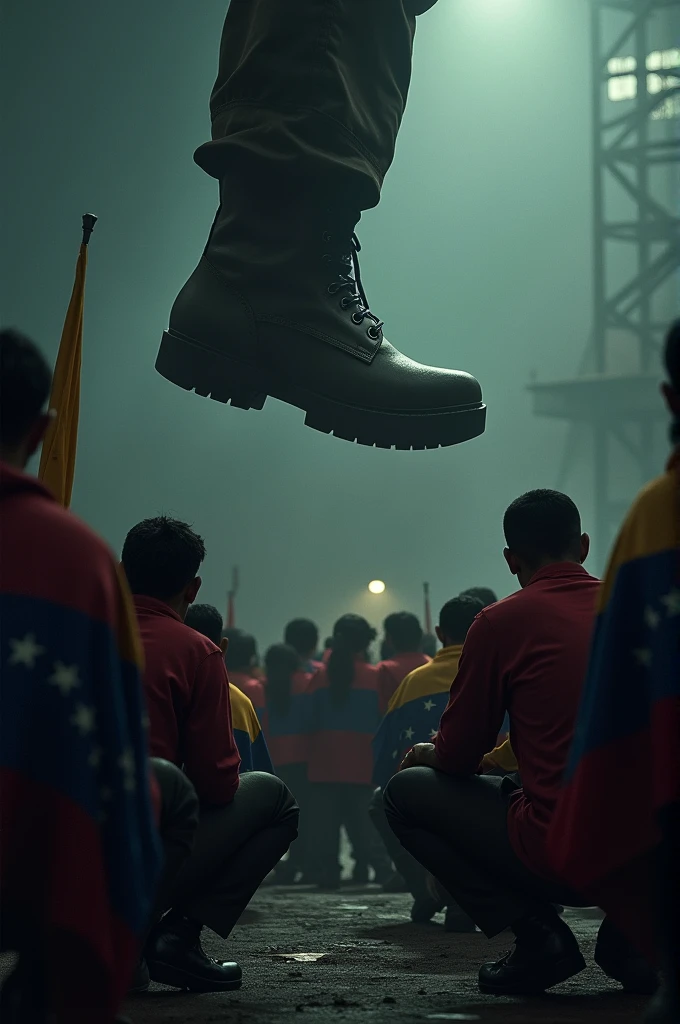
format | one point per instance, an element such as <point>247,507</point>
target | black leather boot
<point>276,307</point>
<point>545,954</point>
<point>175,957</point>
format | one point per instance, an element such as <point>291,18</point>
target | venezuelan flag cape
<point>79,852</point>
<point>625,760</point>
<point>249,737</point>
<point>413,713</point>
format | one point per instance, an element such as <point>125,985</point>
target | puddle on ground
<point>453,1016</point>
<point>302,958</point>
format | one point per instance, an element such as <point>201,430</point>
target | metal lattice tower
<point>614,400</point>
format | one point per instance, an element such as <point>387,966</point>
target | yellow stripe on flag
<point>58,459</point>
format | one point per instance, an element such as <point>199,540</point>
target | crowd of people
<point>154,773</point>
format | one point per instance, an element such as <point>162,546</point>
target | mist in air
<point>478,258</point>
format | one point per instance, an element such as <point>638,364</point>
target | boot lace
<point>349,281</point>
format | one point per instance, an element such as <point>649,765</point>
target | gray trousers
<point>234,849</point>
<point>457,829</point>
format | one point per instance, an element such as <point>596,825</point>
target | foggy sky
<point>478,258</point>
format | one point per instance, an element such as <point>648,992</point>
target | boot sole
<point>560,971</point>
<point>214,375</point>
<point>166,974</point>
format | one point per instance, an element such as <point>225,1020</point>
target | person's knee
<point>272,795</point>
<point>179,802</point>
<point>406,788</point>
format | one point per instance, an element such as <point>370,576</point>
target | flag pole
<point>428,613</point>
<point>58,457</point>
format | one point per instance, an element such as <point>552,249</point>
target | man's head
<point>205,619</point>
<point>241,653</point>
<point>484,594</point>
<point>25,382</point>
<point>161,558</point>
<point>456,617</point>
<point>671,388</point>
<point>403,632</point>
<point>542,527</point>
<point>303,635</point>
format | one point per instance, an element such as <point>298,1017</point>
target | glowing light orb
<point>377,587</point>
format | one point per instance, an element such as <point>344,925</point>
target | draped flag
<point>414,712</point>
<point>58,458</point>
<point>248,734</point>
<point>624,764</point>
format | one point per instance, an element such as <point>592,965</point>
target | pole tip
<point>89,221</point>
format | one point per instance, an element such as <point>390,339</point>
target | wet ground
<point>353,956</point>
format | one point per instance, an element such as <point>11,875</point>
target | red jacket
<point>393,671</point>
<point>527,655</point>
<point>340,741</point>
<point>187,693</point>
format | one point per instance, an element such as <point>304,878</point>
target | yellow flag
<point>58,459</point>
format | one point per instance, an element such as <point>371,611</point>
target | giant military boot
<point>305,114</point>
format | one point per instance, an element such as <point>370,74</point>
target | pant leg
<point>355,801</point>
<point>234,850</point>
<point>178,824</point>
<point>326,815</point>
<point>312,88</point>
<point>457,829</point>
<point>408,867</point>
<point>669,886</point>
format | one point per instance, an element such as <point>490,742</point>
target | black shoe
<point>545,954</point>
<point>139,982</point>
<point>276,307</point>
<point>664,1007</point>
<point>456,920</point>
<point>424,908</point>
<point>620,960</point>
<point>175,957</point>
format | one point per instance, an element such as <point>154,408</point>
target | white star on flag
<point>408,735</point>
<point>95,758</point>
<point>428,705</point>
<point>652,617</point>
<point>395,754</point>
<point>126,762</point>
<point>65,677</point>
<point>433,734</point>
<point>24,652</point>
<point>643,656</point>
<point>672,602</point>
<point>83,719</point>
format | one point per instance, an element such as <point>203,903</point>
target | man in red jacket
<point>244,828</point>
<point>483,837</point>
<point>403,638</point>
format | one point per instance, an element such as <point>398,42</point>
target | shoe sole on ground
<point>213,375</point>
<point>166,974</point>
<point>560,971</point>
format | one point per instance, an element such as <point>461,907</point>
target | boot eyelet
<point>357,318</point>
<point>373,334</point>
<point>333,288</point>
<point>344,302</point>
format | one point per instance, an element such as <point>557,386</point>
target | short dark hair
<point>161,556</point>
<point>671,354</point>
<point>457,616</point>
<point>404,630</point>
<point>205,619</point>
<point>485,594</point>
<point>302,634</point>
<point>242,649</point>
<point>542,525</point>
<point>25,381</point>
